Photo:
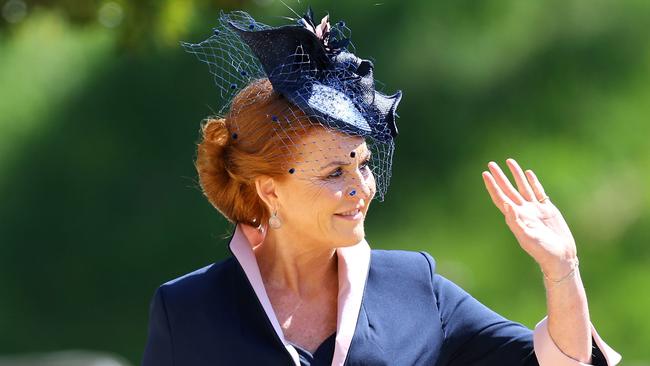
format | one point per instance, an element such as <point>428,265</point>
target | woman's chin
<point>353,237</point>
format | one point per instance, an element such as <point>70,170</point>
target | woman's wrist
<point>554,279</point>
<point>561,270</point>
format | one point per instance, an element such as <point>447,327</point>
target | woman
<point>305,146</point>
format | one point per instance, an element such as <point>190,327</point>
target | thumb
<point>506,209</point>
<point>509,213</point>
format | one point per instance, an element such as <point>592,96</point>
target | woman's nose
<point>360,187</point>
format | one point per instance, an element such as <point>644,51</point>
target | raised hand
<point>537,224</point>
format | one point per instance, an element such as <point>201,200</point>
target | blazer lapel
<point>243,252</point>
<point>354,263</point>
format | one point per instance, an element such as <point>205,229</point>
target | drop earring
<point>274,220</point>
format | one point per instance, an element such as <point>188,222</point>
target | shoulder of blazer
<point>202,285</point>
<point>404,265</point>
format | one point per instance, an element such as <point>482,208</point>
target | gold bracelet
<point>574,267</point>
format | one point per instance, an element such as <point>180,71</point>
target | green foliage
<point>98,126</point>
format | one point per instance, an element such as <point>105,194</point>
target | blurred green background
<point>99,117</point>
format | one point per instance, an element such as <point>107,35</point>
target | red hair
<point>244,145</point>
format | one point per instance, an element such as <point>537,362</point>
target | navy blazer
<point>409,315</point>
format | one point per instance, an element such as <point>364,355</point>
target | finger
<point>537,186</point>
<point>522,183</point>
<point>497,195</point>
<point>504,183</point>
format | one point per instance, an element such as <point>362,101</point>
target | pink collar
<point>353,265</point>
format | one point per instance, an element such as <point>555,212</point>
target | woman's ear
<point>267,190</point>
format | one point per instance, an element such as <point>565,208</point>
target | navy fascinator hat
<point>323,78</point>
<point>313,66</point>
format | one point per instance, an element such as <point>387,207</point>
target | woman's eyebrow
<point>335,163</point>
<point>343,162</point>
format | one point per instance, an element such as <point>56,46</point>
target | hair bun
<point>215,131</point>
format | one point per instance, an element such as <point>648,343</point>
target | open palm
<point>538,226</point>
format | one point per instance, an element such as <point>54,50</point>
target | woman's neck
<point>293,265</point>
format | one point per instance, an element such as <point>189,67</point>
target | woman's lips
<point>351,215</point>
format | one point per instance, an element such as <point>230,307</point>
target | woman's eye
<point>337,173</point>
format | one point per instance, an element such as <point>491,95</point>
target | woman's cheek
<point>324,190</point>
<point>334,186</point>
